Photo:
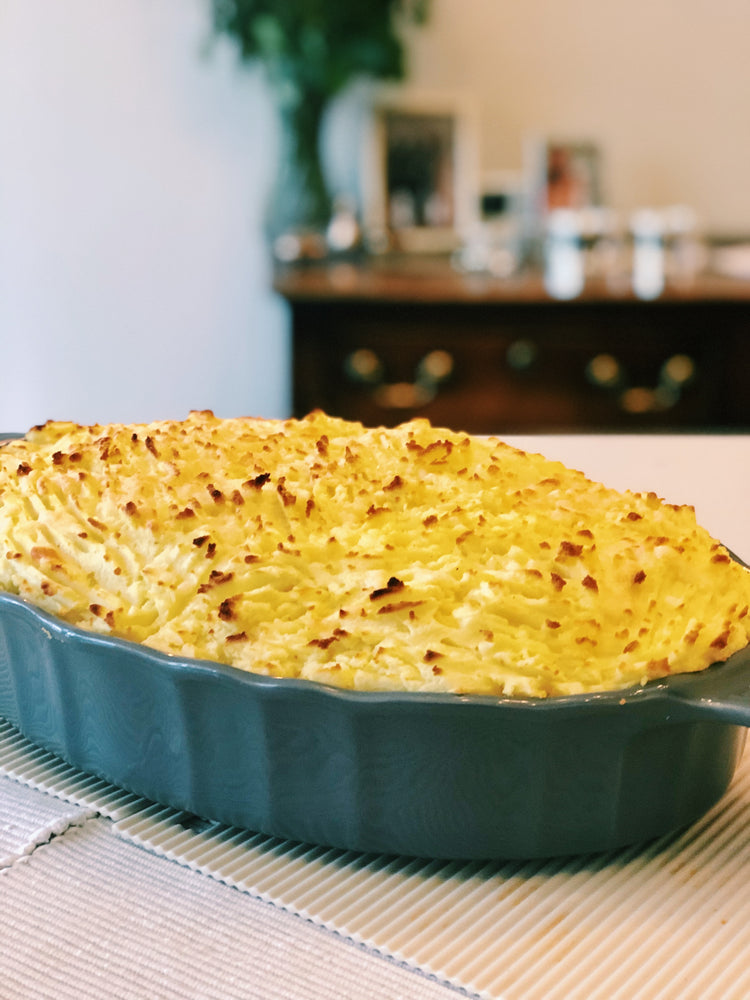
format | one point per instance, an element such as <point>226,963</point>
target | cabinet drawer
<point>510,370</point>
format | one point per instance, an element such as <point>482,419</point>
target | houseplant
<point>311,50</point>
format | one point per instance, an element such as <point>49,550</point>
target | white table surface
<point>92,907</point>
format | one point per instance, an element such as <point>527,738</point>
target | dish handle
<point>721,692</point>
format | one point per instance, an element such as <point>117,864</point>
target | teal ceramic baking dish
<point>436,776</point>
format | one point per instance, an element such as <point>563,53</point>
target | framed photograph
<point>561,173</point>
<point>421,187</point>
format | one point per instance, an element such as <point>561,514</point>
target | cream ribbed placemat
<point>668,921</point>
<point>88,915</point>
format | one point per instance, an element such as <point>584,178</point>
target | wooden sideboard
<point>385,341</point>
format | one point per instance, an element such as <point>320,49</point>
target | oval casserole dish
<point>427,775</point>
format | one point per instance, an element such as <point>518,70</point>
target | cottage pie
<point>412,558</point>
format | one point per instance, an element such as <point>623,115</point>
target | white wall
<point>134,283</point>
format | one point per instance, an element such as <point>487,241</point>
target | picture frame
<point>561,173</point>
<point>421,190</point>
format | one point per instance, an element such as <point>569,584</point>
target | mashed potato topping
<point>412,558</point>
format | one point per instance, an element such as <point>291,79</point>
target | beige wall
<point>662,85</point>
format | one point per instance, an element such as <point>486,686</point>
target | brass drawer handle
<point>521,354</point>
<point>604,370</point>
<point>677,372</point>
<point>365,367</point>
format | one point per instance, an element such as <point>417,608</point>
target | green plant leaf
<point>321,44</point>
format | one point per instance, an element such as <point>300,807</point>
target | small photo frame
<point>421,189</point>
<point>562,173</point>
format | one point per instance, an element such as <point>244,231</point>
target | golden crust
<point>406,559</point>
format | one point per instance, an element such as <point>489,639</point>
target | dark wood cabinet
<point>385,342</point>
